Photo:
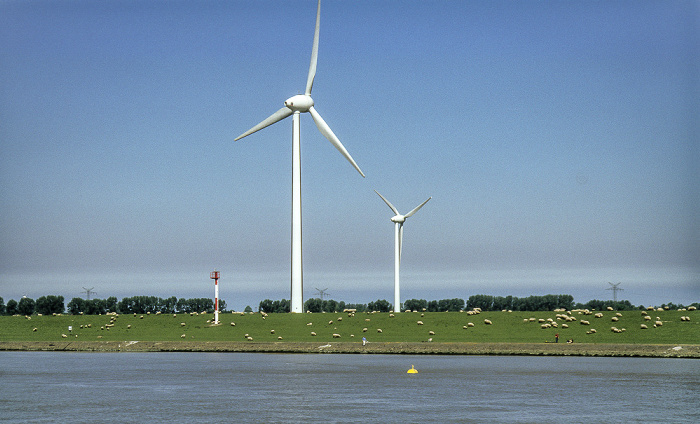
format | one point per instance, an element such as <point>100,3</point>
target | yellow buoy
<point>413,370</point>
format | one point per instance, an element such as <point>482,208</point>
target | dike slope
<point>531,349</point>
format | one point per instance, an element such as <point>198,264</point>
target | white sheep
<point>419,322</point>
<point>182,324</point>
<point>233,324</point>
<point>336,335</point>
<point>183,336</point>
<point>272,331</point>
<point>310,323</point>
<point>614,319</point>
<point>379,330</point>
<point>564,326</point>
<point>432,333</point>
<point>487,322</point>
<point>470,324</point>
<point>647,318</point>
<point>644,327</point>
<point>313,334</point>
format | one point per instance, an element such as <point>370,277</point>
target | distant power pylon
<point>89,292</point>
<point>615,289</point>
<point>322,293</point>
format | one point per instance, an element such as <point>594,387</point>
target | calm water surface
<point>276,388</point>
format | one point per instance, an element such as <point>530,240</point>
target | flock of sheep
<point>562,319</point>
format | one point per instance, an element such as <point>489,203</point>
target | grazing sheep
<point>598,315</point>
<point>487,322</point>
<point>647,318</point>
<point>128,326</point>
<point>272,331</point>
<point>182,324</point>
<point>141,317</point>
<point>279,337</point>
<point>379,330</point>
<point>543,326</point>
<point>644,327</point>
<point>336,335</point>
<point>541,320</point>
<point>250,339</point>
<point>310,323</point>
<point>617,314</point>
<point>183,336</point>
<point>525,320</point>
<point>391,315</point>
<point>432,333</point>
<point>419,322</point>
<point>470,324</point>
<point>340,318</point>
<point>313,334</point>
<point>564,326</point>
<point>584,322</point>
<point>610,308</point>
<point>233,324</point>
<point>34,329</point>
<point>364,330</point>
<point>465,327</point>
<point>614,319</point>
<point>366,319</point>
<point>692,308</point>
<point>658,323</point>
<point>330,322</point>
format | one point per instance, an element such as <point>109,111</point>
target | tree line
<point>47,305</point>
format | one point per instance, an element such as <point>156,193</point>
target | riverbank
<point>527,349</point>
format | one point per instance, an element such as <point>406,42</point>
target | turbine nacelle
<point>299,103</point>
<point>398,219</point>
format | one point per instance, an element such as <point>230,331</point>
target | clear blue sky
<point>559,141</point>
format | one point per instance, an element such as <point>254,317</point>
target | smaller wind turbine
<point>398,219</point>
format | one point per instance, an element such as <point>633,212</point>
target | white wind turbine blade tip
<point>314,53</point>
<point>275,117</point>
<point>328,133</point>
<point>417,207</point>
<point>388,203</point>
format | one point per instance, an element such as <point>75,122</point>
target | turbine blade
<point>418,207</point>
<point>326,131</point>
<point>275,117</point>
<point>388,203</point>
<point>400,241</point>
<point>314,53</point>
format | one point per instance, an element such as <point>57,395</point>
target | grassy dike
<point>511,333</point>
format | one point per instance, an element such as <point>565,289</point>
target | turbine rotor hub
<point>399,219</point>
<point>299,103</point>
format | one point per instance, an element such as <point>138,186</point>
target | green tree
<point>11,308</point>
<point>26,306</point>
<point>48,305</point>
<point>2,306</point>
<point>76,306</point>
<point>380,305</point>
<point>416,304</point>
<point>314,305</point>
<point>248,309</point>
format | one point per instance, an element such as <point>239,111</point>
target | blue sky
<point>559,141</point>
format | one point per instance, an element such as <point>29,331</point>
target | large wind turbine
<point>398,220</point>
<point>295,106</point>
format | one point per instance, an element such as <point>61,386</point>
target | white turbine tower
<point>295,106</point>
<point>398,220</point>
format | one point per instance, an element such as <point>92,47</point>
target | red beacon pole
<point>214,275</point>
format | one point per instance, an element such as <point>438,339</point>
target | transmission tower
<point>322,293</point>
<point>615,289</point>
<point>89,292</point>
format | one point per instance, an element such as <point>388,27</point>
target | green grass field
<point>508,327</point>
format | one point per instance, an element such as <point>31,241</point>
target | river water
<point>279,388</point>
